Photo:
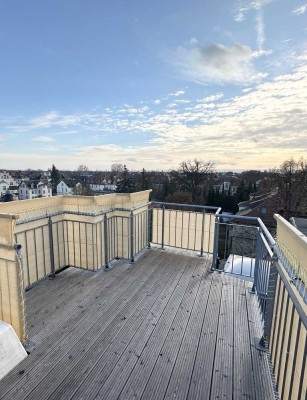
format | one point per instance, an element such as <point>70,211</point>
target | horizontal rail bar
<point>186,205</point>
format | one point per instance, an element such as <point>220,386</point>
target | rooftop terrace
<point>164,327</point>
<point>124,298</point>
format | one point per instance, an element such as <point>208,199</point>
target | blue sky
<point>152,83</point>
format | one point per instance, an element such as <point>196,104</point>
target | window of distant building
<point>263,210</point>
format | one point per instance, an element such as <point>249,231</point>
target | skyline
<point>152,85</point>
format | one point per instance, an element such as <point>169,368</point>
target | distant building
<point>64,188</point>
<point>226,188</point>
<point>8,185</point>
<point>261,206</point>
<point>32,189</point>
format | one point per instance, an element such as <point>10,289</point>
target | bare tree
<point>192,177</point>
<point>291,186</point>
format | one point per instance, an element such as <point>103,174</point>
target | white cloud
<point>259,128</point>
<point>66,132</point>
<point>300,10</point>
<point>256,5</point>
<point>158,101</point>
<point>252,5</point>
<point>178,93</point>
<point>216,64</point>
<point>53,118</point>
<point>43,139</point>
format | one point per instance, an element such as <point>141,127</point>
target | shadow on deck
<point>161,328</point>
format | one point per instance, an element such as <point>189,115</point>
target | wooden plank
<point>53,372</point>
<point>223,364</point>
<point>173,370</point>
<point>162,355</point>
<point>73,328</point>
<point>262,378</point>
<point>57,311</point>
<point>139,327</point>
<point>153,328</point>
<point>243,379</point>
<point>200,384</point>
<point>104,284</point>
<point>107,345</point>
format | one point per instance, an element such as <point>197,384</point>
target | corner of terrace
<point>116,297</point>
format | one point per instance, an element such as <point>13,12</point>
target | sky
<point>152,83</point>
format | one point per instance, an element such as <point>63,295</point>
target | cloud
<point>43,139</point>
<point>259,128</point>
<point>178,93</point>
<point>300,10</point>
<point>51,119</point>
<point>216,64</point>
<point>66,132</point>
<point>252,5</point>
<point>158,101</point>
<point>240,16</point>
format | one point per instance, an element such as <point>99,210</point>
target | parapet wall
<point>50,243</point>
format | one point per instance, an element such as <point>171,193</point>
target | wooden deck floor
<point>163,328</point>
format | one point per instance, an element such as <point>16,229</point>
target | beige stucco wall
<point>11,290</point>
<point>43,206</point>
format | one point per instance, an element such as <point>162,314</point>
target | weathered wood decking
<point>163,328</point>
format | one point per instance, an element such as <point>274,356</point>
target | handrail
<point>186,205</point>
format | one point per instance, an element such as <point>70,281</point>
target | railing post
<point>163,220</point>
<point>149,226</point>
<point>269,306</point>
<point>216,243</point>
<point>51,248</point>
<point>106,248</point>
<point>132,236</point>
<point>202,235</point>
<point>257,261</point>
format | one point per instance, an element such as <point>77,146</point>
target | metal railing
<point>183,226</point>
<point>240,246</point>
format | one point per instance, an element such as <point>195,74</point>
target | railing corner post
<point>269,306</point>
<point>216,243</point>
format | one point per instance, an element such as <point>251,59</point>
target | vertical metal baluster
<point>73,232</point>
<point>149,219</point>
<point>176,213</point>
<point>80,246</point>
<point>67,238</point>
<point>64,245</point>
<point>131,236</point>
<point>93,247</point>
<point>195,232</point>
<point>189,224</point>
<point>35,252</point>
<point>44,255</point>
<point>106,246</point>
<point>51,247</point>
<point>27,257</point>
<point>202,235</point>
<point>100,224</point>
<point>182,228</point>
<point>58,244</point>
<point>163,216</point>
